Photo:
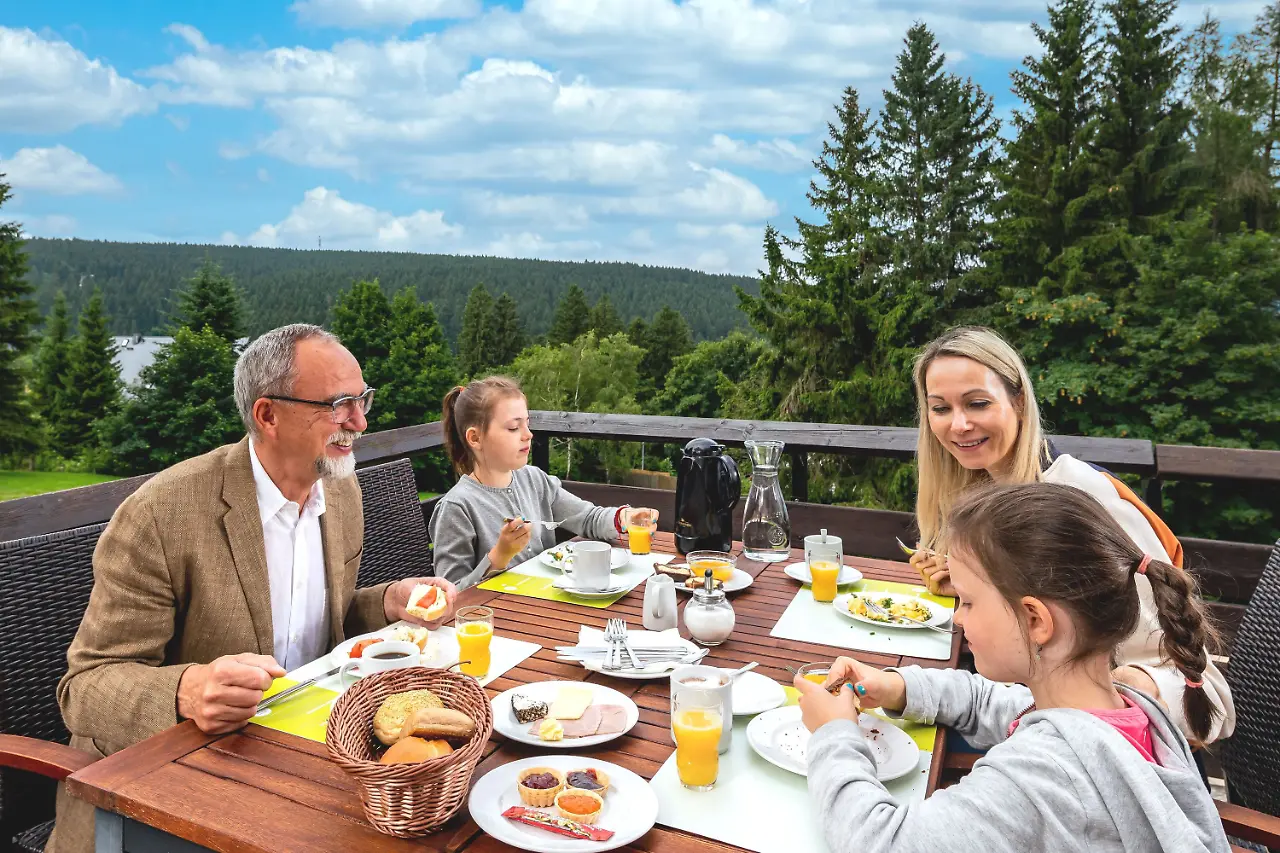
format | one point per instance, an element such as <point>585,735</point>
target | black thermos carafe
<point>707,490</point>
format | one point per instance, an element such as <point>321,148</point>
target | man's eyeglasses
<point>341,410</point>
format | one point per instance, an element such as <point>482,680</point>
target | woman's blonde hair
<point>942,478</point>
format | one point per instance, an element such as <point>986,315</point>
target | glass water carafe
<point>766,526</point>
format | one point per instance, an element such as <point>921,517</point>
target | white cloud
<point>51,225</point>
<point>48,86</point>
<point>560,213</point>
<point>179,122</point>
<point>325,215</point>
<point>264,176</point>
<point>780,155</point>
<point>57,171</point>
<point>357,14</point>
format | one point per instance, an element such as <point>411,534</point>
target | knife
<point>302,685</point>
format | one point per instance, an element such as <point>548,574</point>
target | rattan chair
<point>396,543</point>
<point>45,583</point>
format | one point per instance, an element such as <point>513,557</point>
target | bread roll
<point>427,602</point>
<point>414,750</point>
<point>438,723</point>
<point>395,709</point>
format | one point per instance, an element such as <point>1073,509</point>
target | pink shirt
<point>1130,721</point>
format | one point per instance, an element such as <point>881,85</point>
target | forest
<point>1120,233</point>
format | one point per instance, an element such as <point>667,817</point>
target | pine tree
<point>604,319</point>
<point>212,299</point>
<point>572,318</point>
<point>362,321</point>
<point>53,358</point>
<point>477,342</point>
<point>668,338</point>
<point>183,405</point>
<point>419,370</point>
<point>91,385</point>
<point>508,332</point>
<point>18,316</point>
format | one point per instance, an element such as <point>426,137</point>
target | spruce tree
<point>362,321</point>
<point>604,319</point>
<point>477,342</point>
<point>211,299</point>
<point>18,316</point>
<point>668,338</point>
<point>52,358</point>
<point>91,385</point>
<point>572,318</point>
<point>509,337</point>
<point>419,370</point>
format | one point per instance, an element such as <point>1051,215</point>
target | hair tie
<point>1142,566</point>
<point>1194,685</point>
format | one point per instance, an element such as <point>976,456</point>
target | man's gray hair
<point>269,366</point>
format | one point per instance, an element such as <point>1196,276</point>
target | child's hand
<point>933,571</point>
<point>875,688</point>
<point>818,707</point>
<point>513,539</point>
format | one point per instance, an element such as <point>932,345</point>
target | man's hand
<point>396,599</point>
<point>933,571</point>
<point>221,696</point>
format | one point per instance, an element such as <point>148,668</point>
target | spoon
<point>746,668</point>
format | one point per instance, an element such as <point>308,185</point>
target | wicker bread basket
<point>407,800</point>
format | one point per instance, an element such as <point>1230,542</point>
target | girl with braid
<point>1047,583</point>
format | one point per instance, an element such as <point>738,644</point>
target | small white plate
<point>754,693</point>
<point>939,614</point>
<point>440,652</point>
<point>740,581</point>
<point>561,555</point>
<point>563,584</point>
<point>630,806</point>
<point>800,572</point>
<point>780,738</point>
<point>657,670</point>
<point>506,724</point>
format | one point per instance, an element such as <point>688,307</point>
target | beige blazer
<point>180,577</point>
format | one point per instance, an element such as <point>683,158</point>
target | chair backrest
<point>396,543</point>
<point>1251,757</point>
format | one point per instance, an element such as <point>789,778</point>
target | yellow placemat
<point>923,735</point>
<point>532,586</point>
<point>304,714</point>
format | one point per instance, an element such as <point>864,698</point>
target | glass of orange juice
<point>640,529</point>
<point>818,674</point>
<point>720,563</point>
<point>697,723</point>
<point>824,569</point>
<point>473,627</point>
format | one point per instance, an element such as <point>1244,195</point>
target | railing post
<point>799,475</point>
<point>1155,495</point>
<point>542,452</point>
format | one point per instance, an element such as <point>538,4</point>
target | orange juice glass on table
<point>697,724</point>
<point>640,530</point>
<point>824,569</point>
<point>473,628</point>
<point>818,674</point>
<point>720,564</point>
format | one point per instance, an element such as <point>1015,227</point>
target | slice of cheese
<point>571,703</point>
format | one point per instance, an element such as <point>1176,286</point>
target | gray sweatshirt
<point>1065,780</point>
<point>468,518</point>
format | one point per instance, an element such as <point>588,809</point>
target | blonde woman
<point>979,423</point>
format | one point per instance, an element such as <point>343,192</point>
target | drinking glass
<point>697,723</point>
<point>473,628</point>
<point>824,569</point>
<point>640,528</point>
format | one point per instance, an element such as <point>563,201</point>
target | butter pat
<point>571,703</point>
<point>551,730</point>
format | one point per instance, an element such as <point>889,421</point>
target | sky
<point>654,131</point>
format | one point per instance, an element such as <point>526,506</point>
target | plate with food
<point>900,609</point>
<point>563,804</point>
<point>800,572</point>
<point>434,652</point>
<point>687,582</point>
<point>563,714</point>
<point>562,555</point>
<point>779,737</point>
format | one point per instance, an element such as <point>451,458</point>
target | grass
<point>21,484</point>
<point>423,496</point>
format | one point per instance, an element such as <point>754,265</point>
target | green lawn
<point>20,484</point>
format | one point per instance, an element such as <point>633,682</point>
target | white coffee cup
<point>382,656</point>
<point>591,565</point>
<point>711,682</point>
<point>824,542</point>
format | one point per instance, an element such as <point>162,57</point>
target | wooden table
<point>262,790</point>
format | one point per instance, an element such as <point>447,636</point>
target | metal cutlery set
<point>872,607</point>
<point>617,653</point>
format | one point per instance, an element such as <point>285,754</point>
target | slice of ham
<point>613,720</point>
<point>596,720</point>
<point>584,726</point>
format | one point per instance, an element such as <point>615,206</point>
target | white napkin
<point>641,640</point>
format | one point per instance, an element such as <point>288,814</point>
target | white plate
<point>505,722</point>
<point>740,580</point>
<point>630,806</point>
<point>561,555</point>
<point>657,670</point>
<point>800,572</point>
<point>754,693</point>
<point>563,584</point>
<point>780,738</point>
<point>439,652</point>
<point>940,615</point>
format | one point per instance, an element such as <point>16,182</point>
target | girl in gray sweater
<point>487,436</point>
<point>1045,579</point>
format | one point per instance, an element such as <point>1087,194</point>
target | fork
<point>622,637</point>
<point>550,525</point>
<point>880,611</point>
<point>611,639</point>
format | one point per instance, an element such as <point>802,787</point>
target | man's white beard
<point>337,467</point>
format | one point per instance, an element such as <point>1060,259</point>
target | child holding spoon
<point>1047,587</point>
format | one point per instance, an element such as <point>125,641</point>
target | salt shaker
<point>709,616</point>
<point>659,603</point>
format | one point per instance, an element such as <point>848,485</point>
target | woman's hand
<point>933,571</point>
<point>513,539</point>
<point>875,688</point>
<point>818,707</point>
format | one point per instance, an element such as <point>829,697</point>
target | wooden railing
<point>1228,571</point>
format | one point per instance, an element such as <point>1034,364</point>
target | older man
<point>226,570</point>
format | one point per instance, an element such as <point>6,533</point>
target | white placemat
<point>504,654</point>
<point>750,795</point>
<point>811,621</point>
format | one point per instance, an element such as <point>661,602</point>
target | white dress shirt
<point>295,569</point>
